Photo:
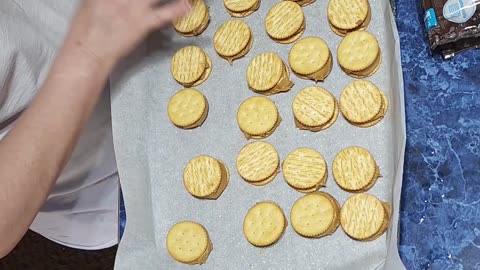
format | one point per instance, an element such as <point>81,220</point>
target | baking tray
<point>151,152</point>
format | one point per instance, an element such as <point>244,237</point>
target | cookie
<point>355,169</point>
<point>314,109</point>
<point>315,215</point>
<point>346,16</point>
<point>188,242</point>
<point>285,22</point>
<point>258,163</point>
<point>264,224</point>
<point>305,170</point>
<point>267,74</point>
<point>233,40</point>
<point>359,54</point>
<point>303,2</point>
<point>241,8</point>
<point>258,117</point>
<point>190,66</point>
<point>311,59</point>
<point>195,22</point>
<point>363,104</point>
<point>205,177</point>
<point>188,108</point>
<point>364,217</point>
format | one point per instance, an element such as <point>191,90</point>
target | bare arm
<point>35,151</point>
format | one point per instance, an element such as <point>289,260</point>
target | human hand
<point>110,29</point>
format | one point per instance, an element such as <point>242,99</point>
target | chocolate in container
<point>452,26</point>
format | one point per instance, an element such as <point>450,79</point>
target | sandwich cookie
<point>315,215</point>
<point>264,224</point>
<point>188,242</point>
<point>359,54</point>
<point>188,108</point>
<point>205,177</point>
<point>363,104</point>
<point>258,117</point>
<point>190,66</point>
<point>311,59</point>
<point>258,163</point>
<point>233,40</point>
<point>305,170</point>
<point>241,8</point>
<point>195,22</point>
<point>355,169</point>
<point>364,217</point>
<point>267,74</point>
<point>314,109</point>
<point>346,16</point>
<point>285,22</point>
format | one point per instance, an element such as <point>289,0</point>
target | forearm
<point>35,151</point>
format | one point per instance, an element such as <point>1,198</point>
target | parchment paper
<point>151,152</point>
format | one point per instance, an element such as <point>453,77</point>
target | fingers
<point>163,15</point>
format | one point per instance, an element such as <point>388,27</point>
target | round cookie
<point>268,75</point>
<point>303,2</point>
<point>314,109</point>
<point>355,170</point>
<point>258,163</point>
<point>233,40</point>
<point>188,242</point>
<point>363,104</point>
<point>359,54</point>
<point>205,177</point>
<point>345,16</point>
<point>258,117</point>
<point>264,224</point>
<point>285,22</point>
<point>364,217</point>
<point>305,170</point>
<point>188,108</point>
<point>315,215</point>
<point>310,58</point>
<point>241,8</point>
<point>195,22</point>
<point>190,66</point>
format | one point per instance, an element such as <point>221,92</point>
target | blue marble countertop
<point>440,208</point>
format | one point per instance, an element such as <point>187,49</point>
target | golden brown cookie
<point>355,169</point>
<point>233,40</point>
<point>305,170</point>
<point>363,104</point>
<point>264,224</point>
<point>188,108</point>
<point>359,54</point>
<point>285,22</point>
<point>258,117</point>
<point>258,163</point>
<point>267,74</point>
<point>346,16</point>
<point>364,217</point>
<point>314,109</point>
<point>315,215</point>
<point>188,242</point>
<point>241,8</point>
<point>303,2</point>
<point>190,66</point>
<point>195,22</point>
<point>205,177</point>
<point>311,59</point>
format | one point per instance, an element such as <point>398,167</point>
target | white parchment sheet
<point>151,152</point>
